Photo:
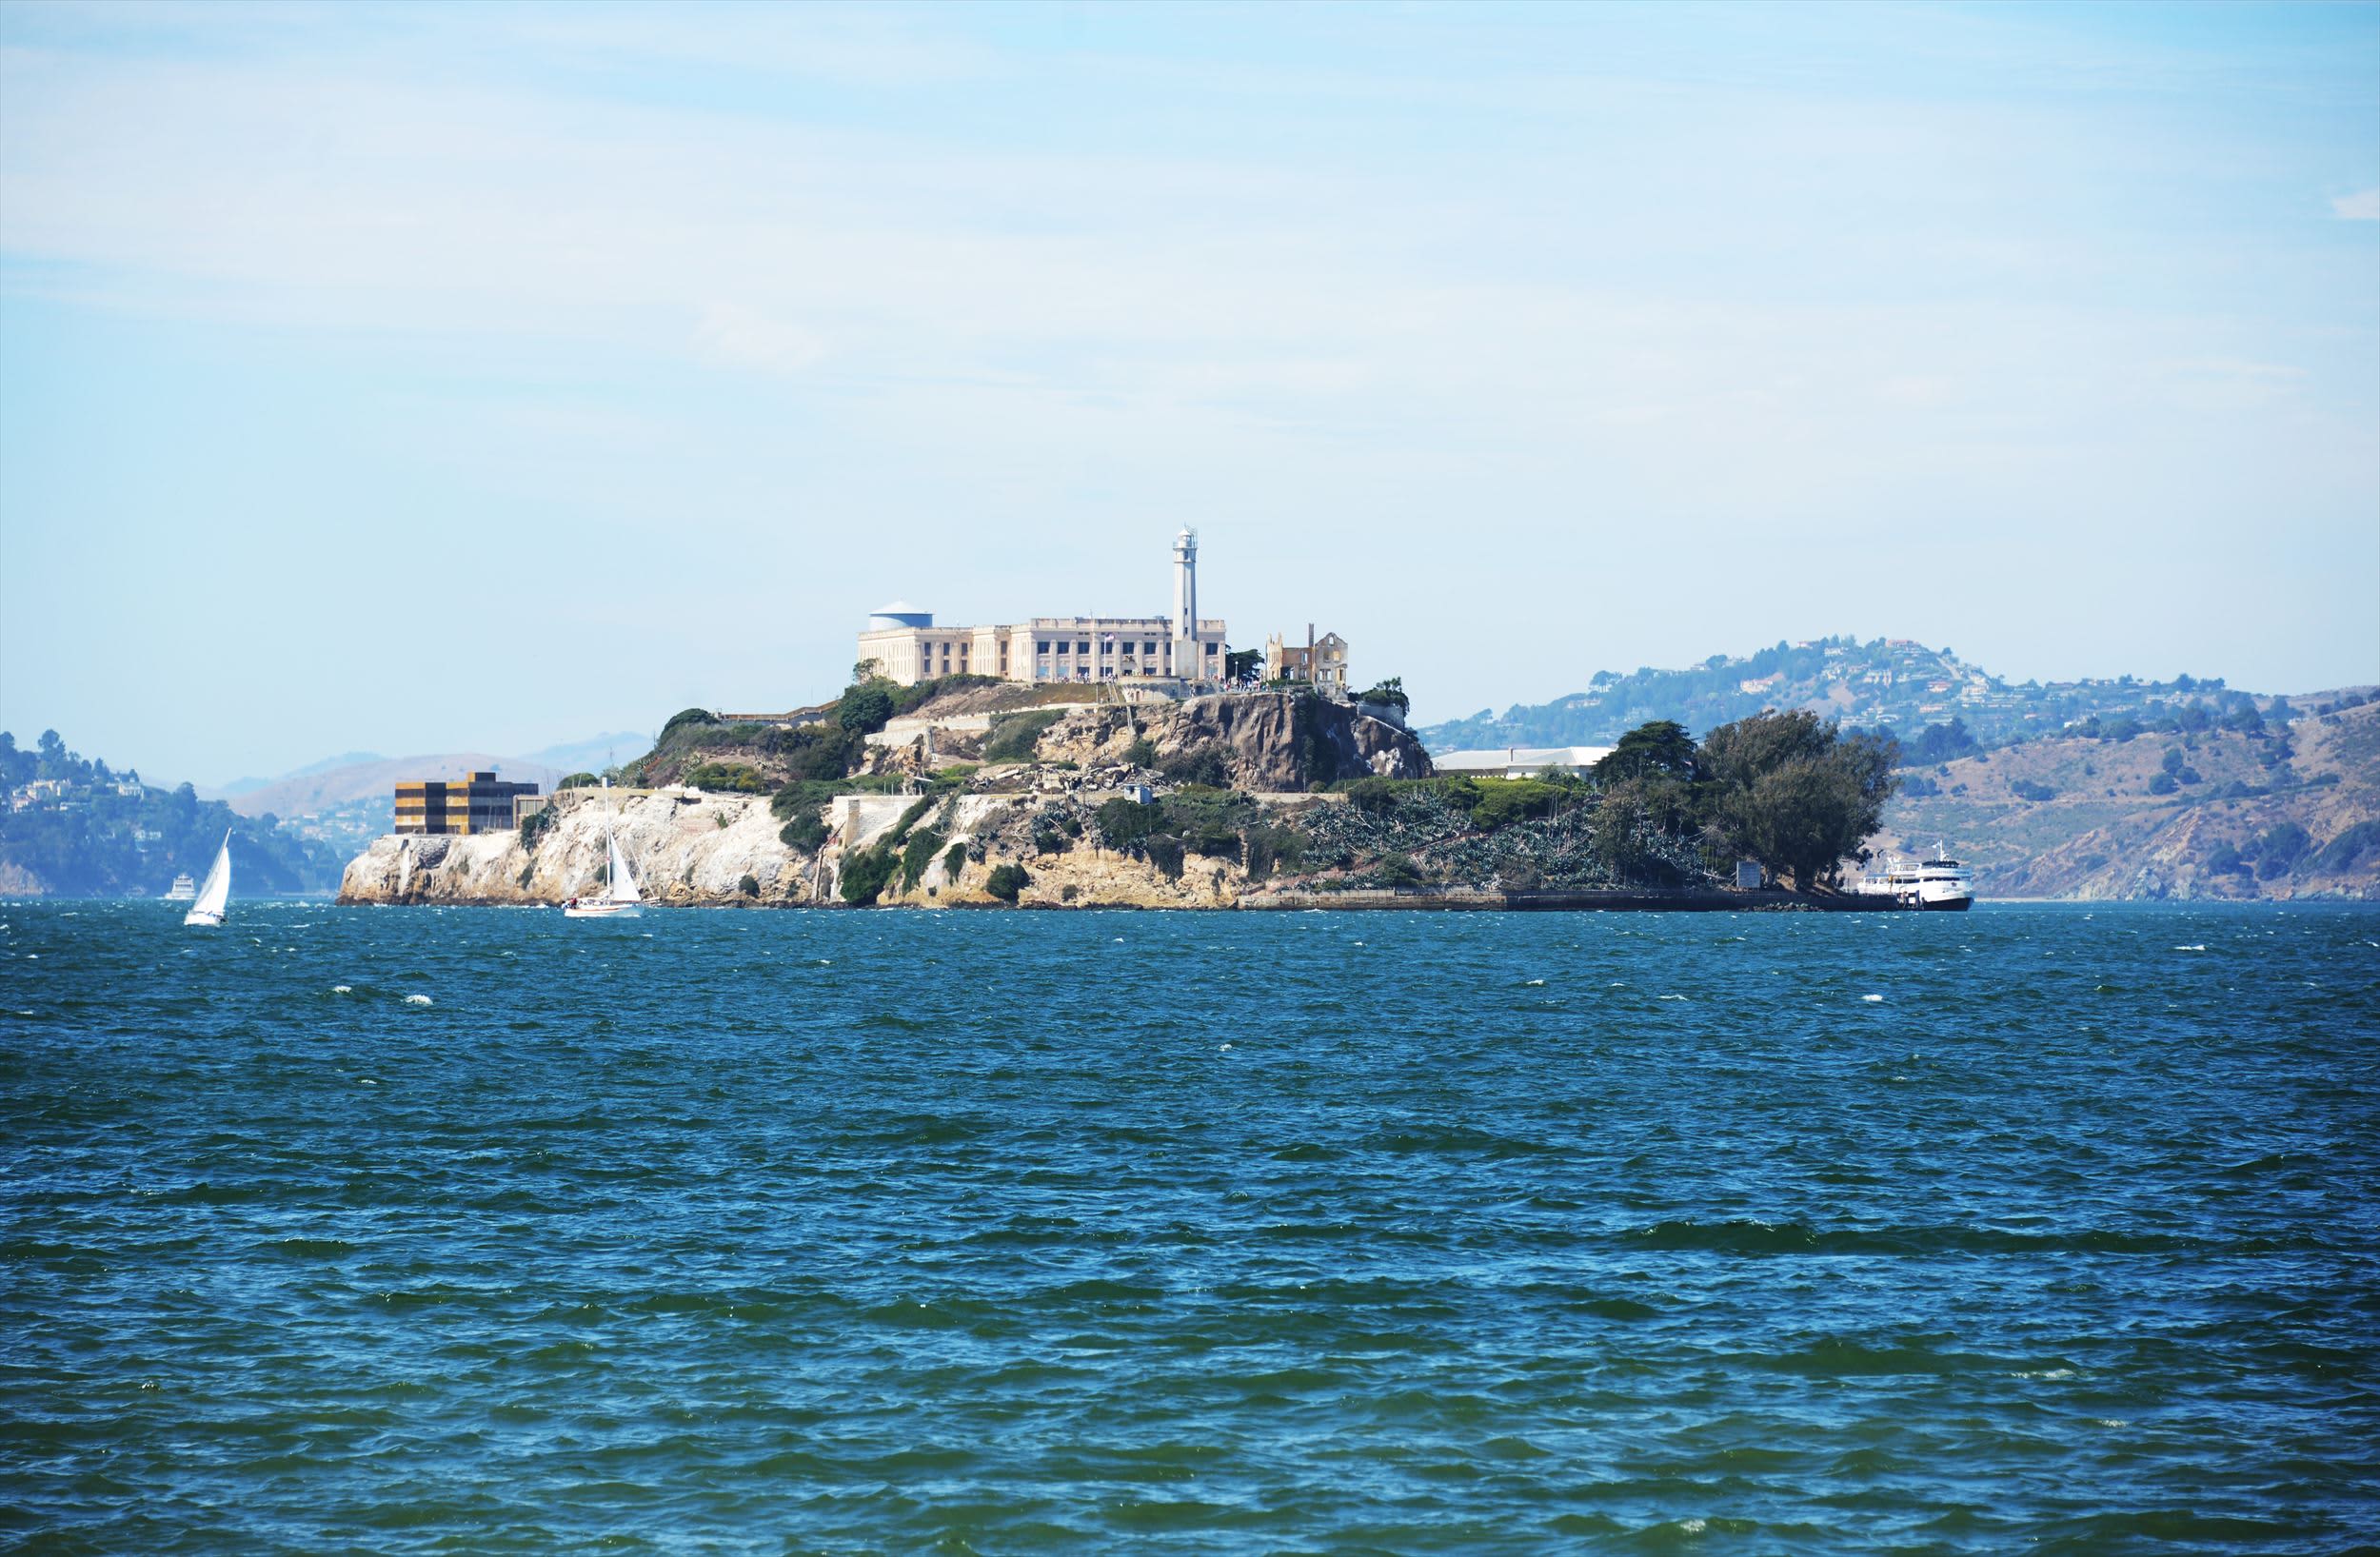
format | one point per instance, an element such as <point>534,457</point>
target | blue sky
<point>435,376</point>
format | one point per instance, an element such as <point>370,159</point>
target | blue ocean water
<point>414,1230</point>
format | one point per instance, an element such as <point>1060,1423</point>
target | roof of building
<point>1504,757</point>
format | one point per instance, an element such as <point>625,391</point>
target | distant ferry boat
<point>183,890</point>
<point>1937,883</point>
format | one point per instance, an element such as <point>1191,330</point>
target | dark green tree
<point>1662,748</point>
<point>1795,793</point>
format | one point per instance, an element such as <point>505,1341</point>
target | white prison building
<point>908,648</point>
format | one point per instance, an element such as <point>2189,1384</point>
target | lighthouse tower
<point>1186,660</point>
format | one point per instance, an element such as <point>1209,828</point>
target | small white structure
<point>1517,761</point>
<point>1748,875</point>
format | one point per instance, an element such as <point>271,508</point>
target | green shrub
<point>1269,844</point>
<point>686,717</point>
<point>1509,800</point>
<point>923,845</point>
<point>820,756</point>
<point>1398,871</point>
<point>1123,825</point>
<point>750,885</point>
<point>1202,764</point>
<point>1068,893</point>
<point>731,777</point>
<point>803,795</point>
<point>909,819</point>
<point>805,832</point>
<point>535,826</point>
<point>1164,851</point>
<point>1014,736</point>
<point>1141,752</point>
<point>1005,881</point>
<point>865,874</point>
<point>867,708</point>
<point>578,780</point>
<point>955,861</point>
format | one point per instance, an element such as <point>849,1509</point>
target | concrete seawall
<point>1656,900</point>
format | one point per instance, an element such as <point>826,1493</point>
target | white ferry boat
<point>183,890</point>
<point>1937,883</point>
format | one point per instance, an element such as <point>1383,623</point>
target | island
<point>973,791</point>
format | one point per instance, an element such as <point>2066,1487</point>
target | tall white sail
<point>215,895</point>
<point>623,888</point>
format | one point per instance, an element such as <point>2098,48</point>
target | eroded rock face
<point>685,848</point>
<point>1270,742</point>
<point>696,849</point>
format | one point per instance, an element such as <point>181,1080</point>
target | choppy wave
<point>1493,1234</point>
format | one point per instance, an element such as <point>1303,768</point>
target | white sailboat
<point>214,894</point>
<point>620,898</point>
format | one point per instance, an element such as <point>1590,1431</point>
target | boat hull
<point>602,911</point>
<point>202,919</point>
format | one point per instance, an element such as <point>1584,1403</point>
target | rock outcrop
<point>1276,743</point>
<point>685,848</point>
<point>690,847</point>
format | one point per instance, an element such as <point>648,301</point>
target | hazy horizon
<point>416,379</point>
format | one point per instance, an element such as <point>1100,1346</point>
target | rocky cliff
<point>1270,742</point>
<point>685,848</point>
<point>690,846</point>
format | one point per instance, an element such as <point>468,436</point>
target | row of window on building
<point>482,803</point>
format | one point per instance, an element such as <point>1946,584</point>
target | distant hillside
<point>244,786</point>
<point>377,780</point>
<point>594,754</point>
<point>74,827</point>
<point>347,807</point>
<point>2281,811</point>
<point>1890,684</point>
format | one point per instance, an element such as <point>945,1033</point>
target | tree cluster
<point>1792,791</point>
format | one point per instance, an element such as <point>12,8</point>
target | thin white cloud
<point>2364,206</point>
<point>745,338</point>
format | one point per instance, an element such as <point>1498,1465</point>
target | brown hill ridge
<point>2281,814</point>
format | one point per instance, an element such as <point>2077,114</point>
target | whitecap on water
<point>1673,997</point>
<point>1873,999</point>
<point>1533,984</point>
<point>343,989</point>
<point>2198,948</point>
<point>417,999</point>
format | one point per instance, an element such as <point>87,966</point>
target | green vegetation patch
<point>1013,738</point>
<point>731,777</point>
